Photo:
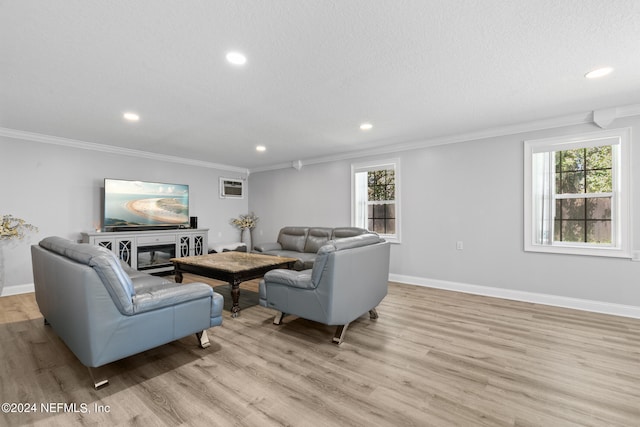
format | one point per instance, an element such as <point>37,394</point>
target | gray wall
<point>470,192</point>
<point>58,189</point>
<point>316,195</point>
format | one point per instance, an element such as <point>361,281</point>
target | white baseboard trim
<point>18,289</point>
<point>510,294</point>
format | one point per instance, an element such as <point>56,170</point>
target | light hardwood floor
<point>433,358</point>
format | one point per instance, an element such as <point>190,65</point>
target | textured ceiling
<point>417,70</point>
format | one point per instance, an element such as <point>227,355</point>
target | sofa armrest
<point>295,279</point>
<point>265,247</point>
<point>170,295</point>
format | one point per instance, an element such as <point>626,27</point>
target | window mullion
<point>582,195</point>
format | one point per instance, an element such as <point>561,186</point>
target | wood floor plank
<point>433,357</point>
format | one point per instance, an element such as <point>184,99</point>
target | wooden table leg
<point>235,298</point>
<point>178,276</point>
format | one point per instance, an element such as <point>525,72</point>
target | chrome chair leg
<point>98,382</point>
<point>278,319</point>
<point>203,339</point>
<point>339,335</point>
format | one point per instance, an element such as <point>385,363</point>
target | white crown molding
<point>628,110</point>
<point>451,139</point>
<point>551,123</point>
<point>510,294</point>
<point>74,143</point>
<point>278,166</point>
<point>381,149</point>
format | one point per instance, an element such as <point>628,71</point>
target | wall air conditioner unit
<point>231,188</point>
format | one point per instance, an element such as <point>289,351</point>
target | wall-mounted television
<point>140,205</point>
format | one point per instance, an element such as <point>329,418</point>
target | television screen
<point>138,204</point>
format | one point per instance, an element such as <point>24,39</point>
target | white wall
<point>470,192</point>
<point>58,189</point>
<point>317,195</point>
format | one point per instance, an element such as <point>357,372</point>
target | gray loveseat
<point>303,242</point>
<point>349,278</point>
<point>104,311</point>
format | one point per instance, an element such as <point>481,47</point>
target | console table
<point>151,251</point>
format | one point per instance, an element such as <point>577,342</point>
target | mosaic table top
<point>232,261</point>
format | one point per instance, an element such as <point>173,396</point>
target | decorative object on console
<point>246,222</point>
<point>12,229</point>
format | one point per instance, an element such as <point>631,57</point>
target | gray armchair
<point>104,311</point>
<point>349,278</point>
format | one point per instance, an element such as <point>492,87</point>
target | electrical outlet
<point>459,245</point>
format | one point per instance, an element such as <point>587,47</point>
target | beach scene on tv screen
<point>135,203</point>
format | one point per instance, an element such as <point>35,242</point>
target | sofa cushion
<point>147,283</point>
<point>105,264</point>
<point>268,247</point>
<point>304,260</point>
<point>357,241</point>
<point>340,245</point>
<point>169,295</point>
<point>79,252</point>
<point>293,238</point>
<point>297,279</point>
<point>317,237</point>
<point>343,232</point>
<point>132,272</point>
<point>117,282</point>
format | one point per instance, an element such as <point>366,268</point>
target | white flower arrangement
<point>14,228</point>
<point>247,221</point>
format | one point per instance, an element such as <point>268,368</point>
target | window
<point>577,194</point>
<point>375,198</point>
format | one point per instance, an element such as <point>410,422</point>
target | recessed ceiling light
<point>600,72</point>
<point>132,117</point>
<point>366,126</point>
<point>236,58</point>
<point>261,148</point>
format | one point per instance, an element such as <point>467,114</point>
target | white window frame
<point>539,174</point>
<point>358,211</point>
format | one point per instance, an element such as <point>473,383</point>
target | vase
<point>246,237</point>
<point>1,267</point>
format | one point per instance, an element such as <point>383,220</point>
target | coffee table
<point>232,267</point>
